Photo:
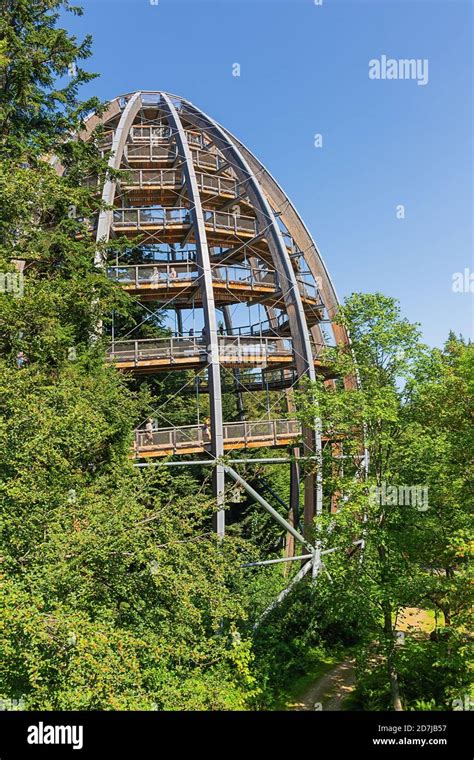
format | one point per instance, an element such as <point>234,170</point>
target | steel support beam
<point>267,223</point>
<point>264,503</point>
<point>104,221</point>
<point>294,500</point>
<point>277,561</point>
<point>299,575</point>
<point>210,322</point>
<point>108,194</point>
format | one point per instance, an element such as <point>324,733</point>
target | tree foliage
<point>410,504</point>
<point>117,594</point>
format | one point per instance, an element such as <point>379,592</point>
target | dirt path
<point>328,692</point>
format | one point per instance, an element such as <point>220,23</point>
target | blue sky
<point>304,70</point>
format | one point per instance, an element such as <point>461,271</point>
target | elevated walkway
<point>191,439</point>
<point>188,352</point>
<point>164,185</point>
<point>180,280</point>
<point>172,225</point>
<point>155,354</point>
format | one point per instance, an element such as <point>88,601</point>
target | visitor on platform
<point>206,429</point>
<point>149,432</point>
<point>21,360</point>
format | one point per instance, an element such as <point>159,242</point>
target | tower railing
<point>149,151</point>
<point>147,132</point>
<point>206,160</point>
<point>161,149</point>
<point>166,273</point>
<point>172,439</point>
<point>160,132</point>
<point>174,178</point>
<point>159,177</point>
<point>169,217</point>
<point>235,348</point>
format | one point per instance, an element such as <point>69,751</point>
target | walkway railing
<point>173,178</point>
<point>253,277</point>
<point>159,177</point>
<point>161,132</point>
<point>157,151</point>
<point>160,273</point>
<point>222,220</point>
<point>248,349</point>
<point>147,132</point>
<point>171,272</point>
<point>149,151</point>
<point>204,159</point>
<point>266,432</point>
<point>245,349</point>
<point>274,328</point>
<point>170,217</point>
<point>218,185</point>
<point>160,217</point>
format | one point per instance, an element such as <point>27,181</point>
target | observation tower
<point>231,285</point>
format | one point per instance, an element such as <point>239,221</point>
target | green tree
<point>36,113</point>
<point>116,594</point>
<point>404,414</point>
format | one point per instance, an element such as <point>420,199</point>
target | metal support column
<point>267,224</point>
<point>210,322</point>
<point>108,193</point>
